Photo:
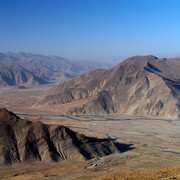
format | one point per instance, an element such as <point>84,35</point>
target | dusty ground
<point>155,143</point>
<point>153,174</point>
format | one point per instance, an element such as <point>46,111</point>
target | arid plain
<point>151,145</point>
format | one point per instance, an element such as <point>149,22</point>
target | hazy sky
<point>91,28</point>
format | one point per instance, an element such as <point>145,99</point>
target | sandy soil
<point>150,174</point>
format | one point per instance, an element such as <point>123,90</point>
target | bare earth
<point>155,143</point>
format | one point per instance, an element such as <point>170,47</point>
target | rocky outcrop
<point>26,141</point>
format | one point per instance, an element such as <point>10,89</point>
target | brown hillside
<point>26,141</point>
<point>141,85</point>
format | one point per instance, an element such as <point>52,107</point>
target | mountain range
<point>140,85</point>
<point>27,69</point>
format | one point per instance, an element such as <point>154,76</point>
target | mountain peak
<point>138,59</point>
<point>128,86</point>
<point>6,115</point>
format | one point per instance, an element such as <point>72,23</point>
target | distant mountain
<point>140,85</point>
<point>26,141</point>
<point>28,69</point>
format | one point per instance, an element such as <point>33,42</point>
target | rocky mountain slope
<point>28,69</point>
<point>140,85</point>
<point>26,141</point>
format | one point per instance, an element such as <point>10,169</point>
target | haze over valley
<point>27,69</point>
<point>89,90</point>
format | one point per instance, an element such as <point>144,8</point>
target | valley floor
<point>154,142</point>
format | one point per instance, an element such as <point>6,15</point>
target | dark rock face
<point>26,141</point>
<point>105,100</point>
<point>140,85</point>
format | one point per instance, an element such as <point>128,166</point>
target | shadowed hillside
<point>23,141</point>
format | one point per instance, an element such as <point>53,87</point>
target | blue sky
<point>85,29</point>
